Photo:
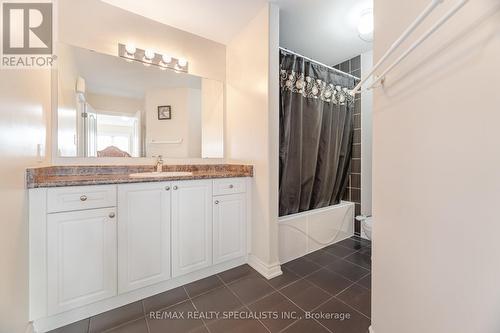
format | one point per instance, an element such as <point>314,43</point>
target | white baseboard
<point>267,271</point>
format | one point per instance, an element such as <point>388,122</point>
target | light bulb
<point>149,54</point>
<point>182,62</point>
<point>365,24</point>
<point>166,59</point>
<point>131,49</point>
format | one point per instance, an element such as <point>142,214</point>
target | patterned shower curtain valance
<point>310,87</point>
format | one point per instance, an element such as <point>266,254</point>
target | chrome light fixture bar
<point>150,57</point>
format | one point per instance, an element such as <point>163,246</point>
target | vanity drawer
<point>65,199</point>
<point>230,186</point>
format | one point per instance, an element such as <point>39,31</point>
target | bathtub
<point>305,232</point>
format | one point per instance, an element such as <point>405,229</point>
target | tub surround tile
<point>58,176</point>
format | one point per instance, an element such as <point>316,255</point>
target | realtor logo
<point>27,34</point>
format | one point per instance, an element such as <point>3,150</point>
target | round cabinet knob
<point>167,188</point>
<point>83,198</point>
<point>231,186</point>
<point>175,187</point>
<point>111,215</point>
<point>216,202</point>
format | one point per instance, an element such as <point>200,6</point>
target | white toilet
<point>366,225</point>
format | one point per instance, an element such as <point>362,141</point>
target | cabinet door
<point>229,227</point>
<point>191,226</point>
<point>143,235</point>
<point>81,258</point>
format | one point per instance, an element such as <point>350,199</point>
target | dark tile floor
<point>325,291</point>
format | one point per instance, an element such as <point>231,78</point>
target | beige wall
<point>24,117</point>
<point>185,124</point>
<point>115,104</point>
<point>437,174</point>
<point>212,118</point>
<point>251,122</point>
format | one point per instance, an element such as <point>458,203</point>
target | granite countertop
<point>58,176</point>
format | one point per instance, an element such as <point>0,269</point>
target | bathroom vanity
<point>101,238</point>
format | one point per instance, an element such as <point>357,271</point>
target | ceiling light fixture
<point>365,25</point>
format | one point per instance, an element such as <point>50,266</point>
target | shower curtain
<point>316,132</point>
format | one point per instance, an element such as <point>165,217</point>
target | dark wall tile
<point>356,150</point>
<point>357,209</point>
<point>357,120</point>
<point>356,63</point>
<point>357,136</point>
<point>345,66</point>
<point>357,227</point>
<point>357,106</point>
<point>356,180</point>
<point>353,67</point>
<point>355,195</point>
<point>356,166</point>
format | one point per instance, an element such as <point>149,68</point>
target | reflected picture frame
<point>164,112</point>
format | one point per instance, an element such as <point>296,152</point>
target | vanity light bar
<point>150,57</point>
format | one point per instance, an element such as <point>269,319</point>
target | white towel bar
<point>166,142</point>
<point>432,5</point>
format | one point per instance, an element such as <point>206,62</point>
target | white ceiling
<point>218,20</point>
<point>325,30</point>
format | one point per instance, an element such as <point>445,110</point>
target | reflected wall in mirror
<point>108,107</point>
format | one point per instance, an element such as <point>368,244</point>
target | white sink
<point>161,174</point>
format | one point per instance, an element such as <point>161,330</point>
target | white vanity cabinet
<point>229,219</point>
<point>99,247</point>
<point>72,247</point>
<point>191,226</point>
<point>143,234</point>
<point>81,258</point>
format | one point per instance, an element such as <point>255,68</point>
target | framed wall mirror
<point>111,107</point>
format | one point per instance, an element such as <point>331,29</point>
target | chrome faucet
<point>159,164</point>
